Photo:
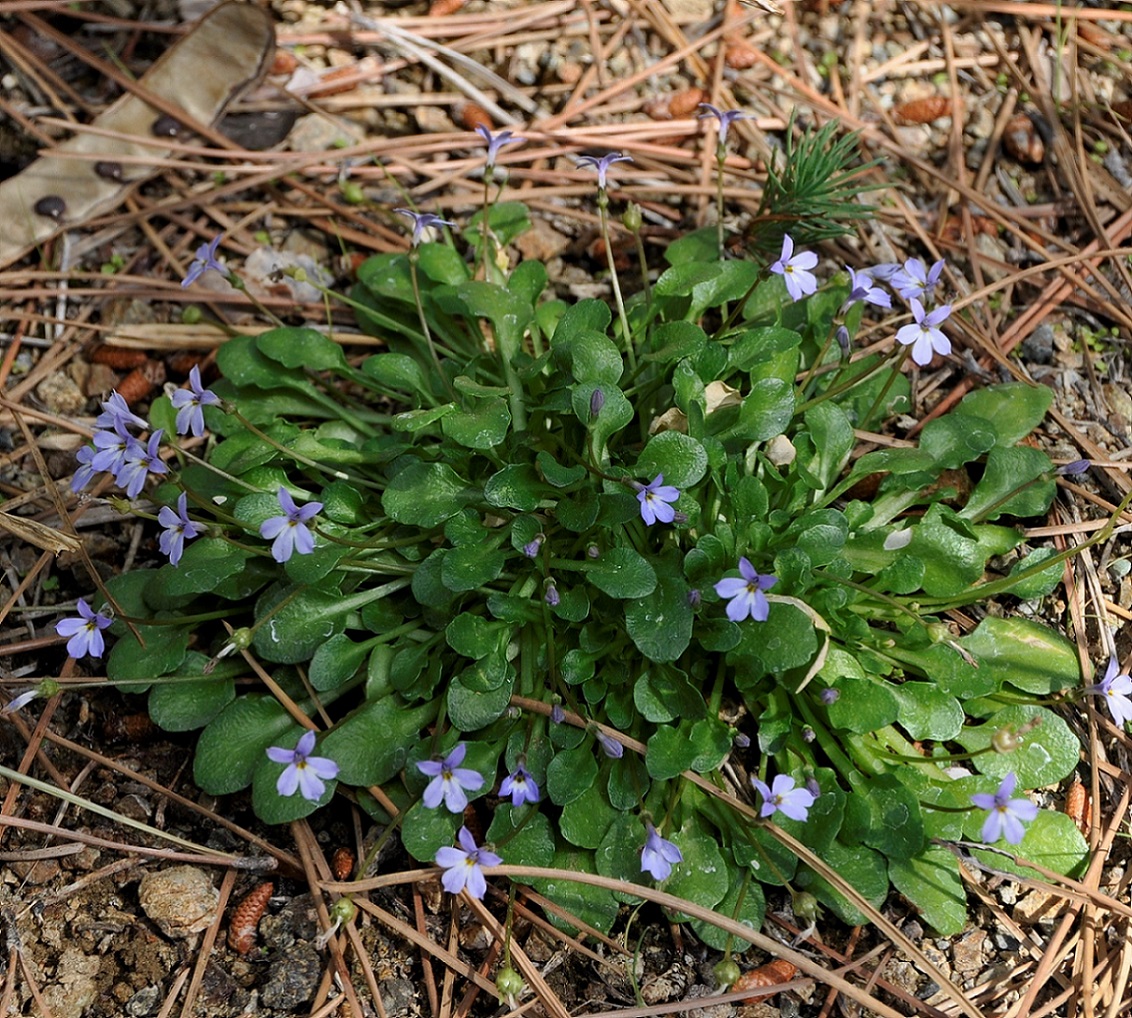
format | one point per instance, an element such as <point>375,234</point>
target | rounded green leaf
<point>622,573</point>
<point>1048,753</point>
<point>1013,409</point>
<point>471,566</point>
<point>471,709</point>
<point>308,618</point>
<point>523,840</point>
<point>570,773</point>
<point>188,703</point>
<point>669,752</point>
<point>594,906</point>
<point>517,486</point>
<point>1026,654</point>
<point>396,371</point>
<point>702,877</point>
<point>932,883</point>
<point>661,624</point>
<point>134,665</point>
<point>586,820</point>
<point>744,903</point>
<point>301,348</point>
<point>766,411</point>
<point>336,662</point>
<point>425,494</point>
<point>423,831</point>
<point>678,457</point>
<point>482,426</point>
<point>926,712</point>
<point>232,745</point>
<point>1052,840</point>
<point>373,743</point>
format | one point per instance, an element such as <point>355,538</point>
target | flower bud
<point>631,218</point>
<point>844,340</point>
<point>830,695</point>
<point>551,597</point>
<point>808,734</point>
<point>694,597</point>
<point>593,551</point>
<point>939,632</point>
<point>812,785</point>
<point>805,907</point>
<point>1074,469</point>
<point>557,714</point>
<point>48,687</point>
<point>726,973</point>
<point>531,548</point>
<point>191,314</point>
<point>740,740</point>
<point>343,911</point>
<point>597,401</point>
<point>509,983</point>
<point>1006,740</point>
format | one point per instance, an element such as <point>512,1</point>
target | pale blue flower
<point>422,221</point>
<point>745,595</point>
<point>915,279</point>
<point>783,797</point>
<point>925,337</point>
<point>795,270</point>
<point>138,463</point>
<point>520,785</point>
<point>110,447</point>
<point>1006,815</point>
<point>863,288</point>
<point>602,165</point>
<point>203,260</point>
<point>1115,688</point>
<point>655,498</point>
<point>462,866</point>
<point>85,632</point>
<point>190,403</point>
<point>289,533</point>
<point>496,141</point>
<point>116,411</point>
<point>85,473</point>
<point>178,529</point>
<point>449,780</point>
<point>658,856</point>
<point>725,117</point>
<point>304,773</point>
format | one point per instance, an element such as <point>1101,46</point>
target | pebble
<point>180,900</point>
<point>1037,907</point>
<point>967,952</point>
<point>293,978</point>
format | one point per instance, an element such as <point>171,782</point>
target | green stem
<point>603,212</point>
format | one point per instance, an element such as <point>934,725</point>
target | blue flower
<point>658,856</point>
<point>915,279</point>
<point>725,117</point>
<point>520,786</point>
<point>203,260</point>
<point>746,595</point>
<point>178,529</point>
<point>289,533</point>
<point>925,337</point>
<point>85,632</point>
<point>1006,815</point>
<point>654,498</point>
<point>449,780</point>
<point>610,746</point>
<point>115,411</point>
<point>1115,688</point>
<point>531,548</point>
<point>304,773</point>
<point>110,447</point>
<point>18,702</point>
<point>495,142</point>
<point>422,221</point>
<point>138,463</point>
<point>1074,469</point>
<point>783,797</point>
<point>795,270</point>
<point>85,473</point>
<point>863,288</point>
<point>462,866</point>
<point>190,403</point>
<point>602,165</point>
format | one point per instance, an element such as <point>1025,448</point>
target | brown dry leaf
<point>39,535</point>
<point>923,111</point>
<point>441,8</point>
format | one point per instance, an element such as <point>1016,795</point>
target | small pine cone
<point>284,62</point>
<point>245,919</point>
<point>120,358</point>
<point>923,111</point>
<point>772,973</point>
<point>740,55</point>
<point>1077,806</point>
<point>342,863</point>
<point>136,385</point>
<point>471,115</point>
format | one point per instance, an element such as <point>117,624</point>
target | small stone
<point>293,978</point>
<point>180,900</point>
<point>1038,346</point>
<point>967,953</point>
<point>1038,907</point>
<point>50,206</point>
<point>144,1002</point>
<point>38,872</point>
<point>1005,942</point>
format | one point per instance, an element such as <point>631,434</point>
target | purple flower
<point>552,597</point>
<point>884,271</point>
<point>110,447</point>
<point>462,866</point>
<point>178,529</point>
<point>18,702</point>
<point>746,595</point>
<point>304,773</point>
<point>1006,815</point>
<point>531,548</point>
<point>602,165</point>
<point>138,463</point>
<point>115,411</point>
<point>449,780</point>
<point>1115,687</point>
<point>795,270</point>
<point>654,498</point>
<point>289,533</point>
<point>925,337</point>
<point>495,142</point>
<point>203,260</point>
<point>1074,469</point>
<point>725,117</point>
<point>915,279</point>
<point>597,401</point>
<point>863,288</point>
<point>520,786</point>
<point>422,221</point>
<point>557,714</point>
<point>190,404</point>
<point>658,856</point>
<point>85,632</point>
<point>609,746</point>
<point>85,474</point>
<point>783,797</point>
<point>829,695</point>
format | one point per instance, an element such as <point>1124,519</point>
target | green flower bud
<point>726,973</point>
<point>343,911</point>
<point>631,218</point>
<point>48,687</point>
<point>805,907</point>
<point>191,314</point>
<point>509,983</point>
<point>352,192</point>
<point>1006,740</point>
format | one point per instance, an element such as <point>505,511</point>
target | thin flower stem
<point>603,212</point>
<point>413,258</point>
<point>901,357</point>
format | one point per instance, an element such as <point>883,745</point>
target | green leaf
<point>669,752</point>
<point>396,371</point>
<point>711,740</point>
<point>702,877</point>
<point>570,773</point>
<point>786,640</point>
<point>861,868</point>
<point>622,573</point>
<point>766,412</point>
<point>412,421</point>
<point>506,221</point>
<point>926,712</point>
<point>615,413</point>
<point>234,742</point>
<point>471,709</point>
<point>664,694</point>
<point>1039,583</point>
<point>895,823</point>
<point>1017,481</point>
<point>1052,841</point>
<point>932,883</point>
<point>759,346</point>
<point>953,560</point>
<point>163,652</point>
<point>188,703</point>
<point>372,745</point>
<point>336,662</point>
<point>682,460</point>
<point>590,356</point>
<point>507,311</point>
<point>672,341</point>
<point>526,840</point>
<point>956,438</point>
<point>832,433</point>
<point>1048,753</point>
<point>425,494</point>
<point>586,820</point>
<point>744,903</point>
<point>1025,654</point>
<point>594,906</point>
<point>308,619</point>
<point>471,565</point>
<point>475,637</point>
<point>204,564</point>
<point>1013,409</point>
<point>661,624</point>
<point>483,426</point>
<point>619,854</point>
<point>591,314</point>
<point>301,348</point>
<point>423,831</point>
<point>865,705</point>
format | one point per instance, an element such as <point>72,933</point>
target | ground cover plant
<point>546,563</point>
